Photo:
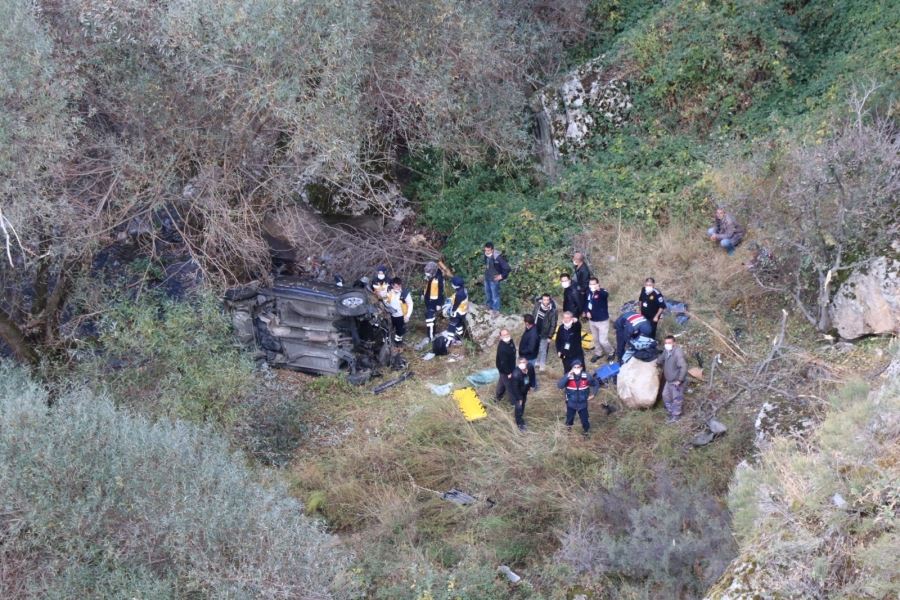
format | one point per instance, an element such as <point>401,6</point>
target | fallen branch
<point>732,347</point>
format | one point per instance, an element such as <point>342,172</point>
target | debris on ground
<point>440,390</point>
<point>714,429</point>
<point>389,384</point>
<point>470,404</point>
<point>696,373</point>
<point>483,377</point>
<point>458,497</point>
<point>510,575</point>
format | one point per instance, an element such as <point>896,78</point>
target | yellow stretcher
<point>587,340</point>
<point>470,404</point>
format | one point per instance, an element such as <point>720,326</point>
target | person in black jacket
<point>496,269</point>
<point>652,304</point>
<point>568,341</point>
<point>506,362</point>
<point>572,301</point>
<point>520,383</point>
<point>596,310</point>
<point>582,273</point>
<point>529,344</point>
<point>545,315</point>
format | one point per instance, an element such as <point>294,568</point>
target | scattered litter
<point>839,501</point>
<point>428,356</point>
<point>440,390</point>
<point>483,377</point>
<point>510,575</point>
<point>678,310</point>
<point>696,373</point>
<point>423,344</point>
<point>714,429</point>
<point>606,373</point>
<point>470,404</point>
<point>395,381</point>
<point>458,497</point>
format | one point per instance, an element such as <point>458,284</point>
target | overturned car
<point>313,327</point>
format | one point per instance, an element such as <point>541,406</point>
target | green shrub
<point>177,359</point>
<point>98,502</point>
<point>820,519</point>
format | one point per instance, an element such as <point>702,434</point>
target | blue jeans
<point>726,243</point>
<point>492,294</point>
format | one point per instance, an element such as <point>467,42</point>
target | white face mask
<point>506,339</point>
<point>594,288</point>
<point>567,324</point>
<point>648,289</point>
<point>381,276</point>
<point>523,366</point>
<point>669,346</point>
<point>576,371</point>
<point>565,284</point>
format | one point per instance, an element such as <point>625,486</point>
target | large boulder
<point>869,301</point>
<point>638,384</point>
<point>485,329</point>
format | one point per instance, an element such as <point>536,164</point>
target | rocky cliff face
<point>585,103</point>
<point>869,301</point>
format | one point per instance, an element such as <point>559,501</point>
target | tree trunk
<point>13,336</point>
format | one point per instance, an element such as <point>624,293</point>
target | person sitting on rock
<point>727,232</point>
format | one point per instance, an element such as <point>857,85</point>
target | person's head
<point>456,282</point>
<point>545,300</point>
<point>565,280</point>
<point>523,363</point>
<point>397,283</point>
<point>649,284</point>
<point>577,367</point>
<point>431,268</point>
<point>505,336</point>
<point>577,258</point>
<point>381,273</point>
<point>529,321</point>
<point>720,212</point>
<point>568,318</point>
<point>489,248</point>
<point>594,284</point>
<point>669,342</point>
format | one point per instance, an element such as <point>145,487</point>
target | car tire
<point>352,304</point>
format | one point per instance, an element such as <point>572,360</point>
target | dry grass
<point>382,481</point>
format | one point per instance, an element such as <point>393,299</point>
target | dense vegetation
<point>149,150</point>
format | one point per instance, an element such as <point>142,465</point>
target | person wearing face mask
<point>458,308</point>
<point>521,382</point>
<point>381,283</point>
<point>596,310</point>
<point>399,303</point>
<point>568,341</point>
<point>572,301</point>
<point>496,269</point>
<point>506,362</point>
<point>580,389</point>
<point>581,272</point>
<point>652,304</point>
<point>545,316</point>
<point>529,344</point>
<point>674,372</point>
<point>432,295</point>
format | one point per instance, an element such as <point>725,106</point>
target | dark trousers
<point>568,360</point>
<point>582,414</point>
<point>520,411</point>
<point>399,329</point>
<point>653,324</point>
<point>502,384</point>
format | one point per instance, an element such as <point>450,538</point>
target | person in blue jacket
<point>580,389</point>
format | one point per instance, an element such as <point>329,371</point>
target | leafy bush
<point>98,502</point>
<point>678,540</point>
<point>820,520</point>
<point>177,359</point>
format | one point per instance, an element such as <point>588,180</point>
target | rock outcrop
<point>638,384</point>
<point>869,301</point>
<point>485,329</point>
<point>585,103</point>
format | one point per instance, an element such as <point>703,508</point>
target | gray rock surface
<point>869,301</point>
